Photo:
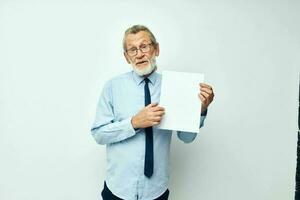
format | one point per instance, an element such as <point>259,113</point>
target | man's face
<point>143,63</point>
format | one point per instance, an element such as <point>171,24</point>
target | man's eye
<point>132,50</point>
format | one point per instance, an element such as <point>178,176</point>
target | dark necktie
<point>148,170</point>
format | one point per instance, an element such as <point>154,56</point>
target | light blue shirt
<point>123,97</point>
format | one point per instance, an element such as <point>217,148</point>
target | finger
<point>151,105</point>
<point>159,113</point>
<point>208,99</point>
<point>207,90</point>
<point>201,98</point>
<point>204,101</point>
<point>204,85</point>
<point>158,108</point>
<point>207,95</point>
<point>156,119</point>
<point>155,123</point>
<point>204,94</point>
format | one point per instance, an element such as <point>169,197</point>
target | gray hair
<point>135,29</point>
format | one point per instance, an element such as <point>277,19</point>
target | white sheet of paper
<point>179,97</point>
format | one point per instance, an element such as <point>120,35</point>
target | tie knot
<point>147,80</point>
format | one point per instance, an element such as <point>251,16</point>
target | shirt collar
<point>139,79</point>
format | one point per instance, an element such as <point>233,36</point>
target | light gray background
<point>56,55</point>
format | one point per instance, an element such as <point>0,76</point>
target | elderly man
<point>126,118</point>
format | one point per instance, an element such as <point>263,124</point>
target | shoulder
<point>117,80</point>
<point>122,77</point>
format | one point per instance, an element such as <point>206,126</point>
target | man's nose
<point>139,53</point>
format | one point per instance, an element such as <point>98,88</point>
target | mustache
<point>142,61</point>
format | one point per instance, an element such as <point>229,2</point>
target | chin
<point>143,70</point>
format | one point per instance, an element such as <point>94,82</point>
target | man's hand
<point>151,115</point>
<point>206,95</point>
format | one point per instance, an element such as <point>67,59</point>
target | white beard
<point>145,70</point>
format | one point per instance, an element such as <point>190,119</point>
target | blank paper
<point>179,97</point>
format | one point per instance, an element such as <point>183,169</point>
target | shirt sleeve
<point>188,137</point>
<point>105,129</point>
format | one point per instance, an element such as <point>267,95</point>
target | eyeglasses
<point>145,48</point>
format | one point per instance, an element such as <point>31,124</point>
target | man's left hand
<point>206,95</point>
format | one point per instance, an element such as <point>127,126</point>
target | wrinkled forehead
<point>135,40</point>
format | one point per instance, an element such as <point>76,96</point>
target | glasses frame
<point>137,49</point>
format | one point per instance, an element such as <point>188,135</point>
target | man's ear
<point>157,49</point>
<point>127,59</point>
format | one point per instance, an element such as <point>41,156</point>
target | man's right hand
<point>151,115</point>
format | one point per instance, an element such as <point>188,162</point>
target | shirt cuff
<point>204,113</point>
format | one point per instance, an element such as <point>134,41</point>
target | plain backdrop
<point>55,57</point>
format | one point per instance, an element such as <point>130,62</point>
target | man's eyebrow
<point>144,42</point>
<point>132,47</point>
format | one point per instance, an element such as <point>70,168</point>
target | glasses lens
<point>132,52</point>
<point>145,48</point>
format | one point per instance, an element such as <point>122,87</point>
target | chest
<point>130,99</point>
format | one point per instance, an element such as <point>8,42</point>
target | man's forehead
<point>137,38</point>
